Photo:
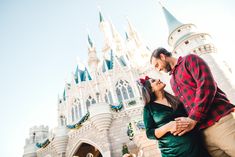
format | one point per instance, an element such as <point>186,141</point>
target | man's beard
<point>168,67</point>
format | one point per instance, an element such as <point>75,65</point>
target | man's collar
<point>180,59</point>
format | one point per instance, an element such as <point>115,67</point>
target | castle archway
<point>85,148</point>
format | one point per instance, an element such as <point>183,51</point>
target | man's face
<point>160,64</point>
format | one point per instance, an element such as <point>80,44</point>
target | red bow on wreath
<point>144,80</point>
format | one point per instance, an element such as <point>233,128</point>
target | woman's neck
<point>160,96</point>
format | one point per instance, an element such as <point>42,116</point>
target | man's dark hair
<point>156,53</point>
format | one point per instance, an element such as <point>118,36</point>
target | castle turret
<point>36,135</point>
<point>105,28</point>
<point>93,60</point>
<point>118,43</point>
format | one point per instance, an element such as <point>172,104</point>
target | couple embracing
<point>198,120</point>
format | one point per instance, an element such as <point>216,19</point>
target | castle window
<point>119,95</point>
<point>124,90</point>
<point>179,30</point>
<point>80,110</point>
<point>186,42</point>
<point>72,112</point>
<point>62,120</point>
<point>90,101</point>
<point>93,101</point>
<point>76,111</point>
<point>106,99</point>
<point>110,97</point>
<point>88,104</point>
<point>98,97</point>
<point>130,91</point>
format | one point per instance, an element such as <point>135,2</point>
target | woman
<point>160,110</point>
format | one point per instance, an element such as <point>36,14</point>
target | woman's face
<point>157,85</point>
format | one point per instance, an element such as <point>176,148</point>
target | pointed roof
<point>81,74</point>
<point>87,75</point>
<point>172,22</point>
<point>90,41</point>
<point>101,17</point>
<point>127,37</point>
<point>64,95</point>
<point>108,63</point>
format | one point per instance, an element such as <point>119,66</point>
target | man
<point>207,106</point>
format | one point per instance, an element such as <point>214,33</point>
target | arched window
<point>124,90</point>
<point>93,101</point>
<point>130,91</point>
<point>72,111</point>
<point>80,110</point>
<point>62,120</point>
<point>90,101</point>
<point>77,108</point>
<point>119,95</point>
<point>106,98</point>
<point>110,97</point>
<point>76,112</point>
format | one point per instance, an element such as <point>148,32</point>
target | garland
<point>117,108</point>
<point>130,131</point>
<point>43,144</point>
<point>79,123</point>
<point>133,102</point>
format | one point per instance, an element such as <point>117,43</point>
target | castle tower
<point>185,39</point>
<point>137,51</point>
<point>118,42</point>
<point>36,135</point>
<point>105,28</point>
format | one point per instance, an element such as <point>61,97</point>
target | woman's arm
<point>152,130</point>
<point>169,127</point>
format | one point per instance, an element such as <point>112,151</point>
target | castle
<point>100,112</point>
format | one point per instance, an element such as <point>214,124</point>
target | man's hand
<point>174,127</point>
<point>180,122</point>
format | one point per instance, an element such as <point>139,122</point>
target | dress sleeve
<point>149,123</point>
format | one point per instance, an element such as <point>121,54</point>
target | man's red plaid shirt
<point>193,83</point>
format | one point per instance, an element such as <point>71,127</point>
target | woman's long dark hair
<point>149,96</point>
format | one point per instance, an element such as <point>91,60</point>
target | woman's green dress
<point>187,145</point>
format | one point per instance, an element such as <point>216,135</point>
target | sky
<point>40,41</point>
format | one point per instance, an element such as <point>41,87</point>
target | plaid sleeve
<point>206,87</point>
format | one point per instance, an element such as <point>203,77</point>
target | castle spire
<point>101,17</point>
<point>90,41</point>
<point>172,22</point>
<point>93,59</point>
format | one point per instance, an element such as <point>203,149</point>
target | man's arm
<point>206,87</point>
<point>204,95</point>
